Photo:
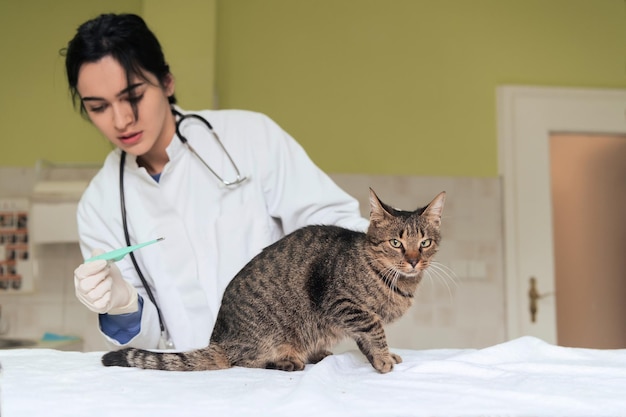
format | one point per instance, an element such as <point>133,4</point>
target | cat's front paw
<point>396,358</point>
<point>384,364</point>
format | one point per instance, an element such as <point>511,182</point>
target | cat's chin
<point>412,274</point>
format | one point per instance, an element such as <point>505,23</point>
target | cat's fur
<point>297,298</point>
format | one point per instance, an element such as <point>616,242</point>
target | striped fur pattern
<point>300,296</point>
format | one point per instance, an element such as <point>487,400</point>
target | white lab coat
<point>210,231</point>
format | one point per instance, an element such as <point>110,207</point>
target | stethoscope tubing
<point>127,239</point>
<point>238,180</point>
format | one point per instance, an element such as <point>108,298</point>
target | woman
<point>119,77</point>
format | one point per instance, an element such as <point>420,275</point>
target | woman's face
<point>107,97</point>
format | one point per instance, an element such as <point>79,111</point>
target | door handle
<point>534,296</point>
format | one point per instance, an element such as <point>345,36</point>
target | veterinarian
<point>218,186</point>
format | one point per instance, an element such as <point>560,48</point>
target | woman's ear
<point>169,84</point>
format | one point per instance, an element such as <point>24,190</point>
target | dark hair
<point>126,38</point>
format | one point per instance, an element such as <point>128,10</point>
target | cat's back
<point>292,258</point>
<point>323,237</point>
<point>305,245</point>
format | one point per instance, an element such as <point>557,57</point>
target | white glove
<point>100,287</point>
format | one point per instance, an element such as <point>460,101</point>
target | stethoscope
<point>165,340</point>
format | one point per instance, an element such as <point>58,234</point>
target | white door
<point>527,116</point>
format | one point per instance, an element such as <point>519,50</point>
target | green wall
<point>408,86</point>
<point>187,32</point>
<point>367,86</point>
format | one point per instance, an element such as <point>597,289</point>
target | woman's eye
<point>426,243</point>
<point>135,99</point>
<point>97,109</point>
<point>395,243</point>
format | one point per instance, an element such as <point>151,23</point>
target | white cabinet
<point>53,211</point>
<point>54,199</point>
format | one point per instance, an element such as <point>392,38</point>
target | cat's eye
<point>395,243</point>
<point>426,243</point>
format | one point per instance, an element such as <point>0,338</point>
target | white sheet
<point>523,377</point>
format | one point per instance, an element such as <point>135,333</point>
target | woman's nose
<point>122,116</point>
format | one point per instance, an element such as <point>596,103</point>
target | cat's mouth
<point>411,272</point>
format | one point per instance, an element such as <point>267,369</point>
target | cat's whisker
<point>386,272</point>
<point>446,272</point>
<point>430,273</point>
<point>390,276</point>
<point>443,274</point>
<point>427,274</point>
<point>397,277</point>
<point>444,266</point>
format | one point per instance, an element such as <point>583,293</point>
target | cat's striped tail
<point>210,358</point>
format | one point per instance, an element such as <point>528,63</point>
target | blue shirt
<point>122,327</point>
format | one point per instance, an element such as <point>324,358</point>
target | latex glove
<point>100,286</point>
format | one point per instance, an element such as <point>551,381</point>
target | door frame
<point>527,116</point>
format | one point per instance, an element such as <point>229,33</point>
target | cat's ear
<point>377,209</point>
<point>434,210</point>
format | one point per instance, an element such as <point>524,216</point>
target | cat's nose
<point>413,262</point>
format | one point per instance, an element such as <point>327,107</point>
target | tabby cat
<point>300,296</point>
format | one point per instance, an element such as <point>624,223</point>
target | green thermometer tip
<point>118,254</point>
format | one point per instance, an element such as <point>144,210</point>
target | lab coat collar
<point>174,151</point>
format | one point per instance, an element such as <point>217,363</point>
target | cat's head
<point>403,242</point>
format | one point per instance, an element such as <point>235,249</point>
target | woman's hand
<point>101,288</point>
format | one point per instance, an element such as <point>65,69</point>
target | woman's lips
<point>131,138</point>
